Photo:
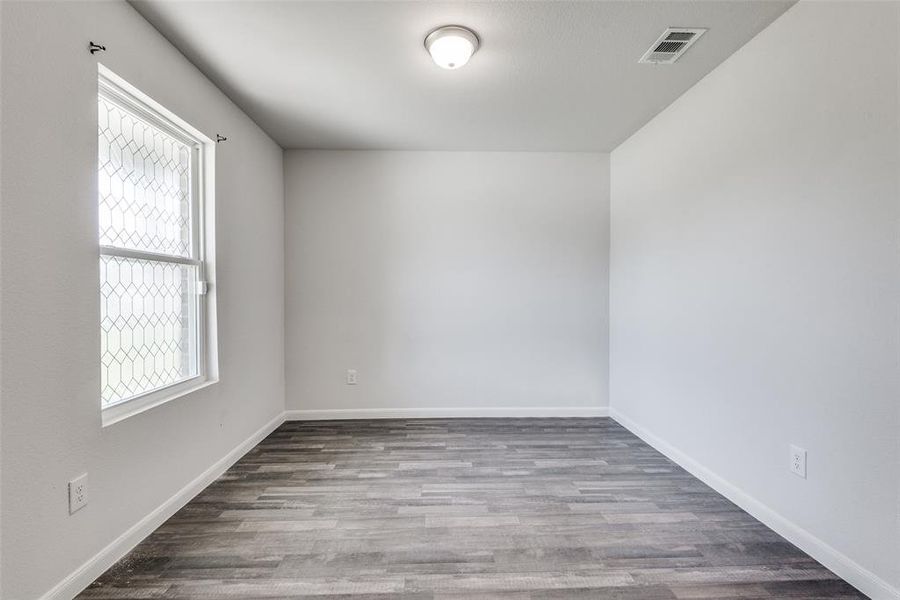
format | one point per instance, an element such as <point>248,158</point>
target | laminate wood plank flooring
<point>440,509</point>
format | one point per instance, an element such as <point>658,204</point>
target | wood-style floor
<point>462,508</point>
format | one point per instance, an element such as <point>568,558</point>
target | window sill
<point>119,412</point>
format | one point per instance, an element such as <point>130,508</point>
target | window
<point>153,250</point>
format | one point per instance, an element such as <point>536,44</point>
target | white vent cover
<point>671,45</point>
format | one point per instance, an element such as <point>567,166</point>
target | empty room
<point>429,300</point>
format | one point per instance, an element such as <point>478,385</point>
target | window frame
<point>117,91</point>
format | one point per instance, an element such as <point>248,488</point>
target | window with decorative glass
<point>152,250</point>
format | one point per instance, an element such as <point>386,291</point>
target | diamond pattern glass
<point>149,303</point>
<point>144,184</point>
<point>148,326</point>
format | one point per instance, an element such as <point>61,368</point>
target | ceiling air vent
<point>671,45</point>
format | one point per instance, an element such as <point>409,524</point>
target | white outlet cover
<point>351,376</point>
<point>798,461</point>
<point>78,490</point>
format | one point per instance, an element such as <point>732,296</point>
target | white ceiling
<point>355,75</point>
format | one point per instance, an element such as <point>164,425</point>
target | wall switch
<point>78,493</point>
<point>798,461</point>
<point>351,376</point>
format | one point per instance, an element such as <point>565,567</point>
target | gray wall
<point>51,429</point>
<point>754,276</point>
<point>455,282</point>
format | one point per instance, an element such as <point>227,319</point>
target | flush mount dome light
<point>451,46</point>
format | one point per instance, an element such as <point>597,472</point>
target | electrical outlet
<point>78,491</point>
<point>351,376</point>
<point>798,461</point>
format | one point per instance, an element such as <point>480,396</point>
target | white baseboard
<point>440,413</point>
<point>82,577</point>
<point>840,564</point>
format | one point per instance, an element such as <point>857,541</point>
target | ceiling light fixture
<point>451,46</point>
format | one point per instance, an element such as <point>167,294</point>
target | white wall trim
<point>437,413</point>
<point>82,577</point>
<point>840,564</point>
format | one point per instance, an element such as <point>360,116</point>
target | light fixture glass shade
<point>451,46</point>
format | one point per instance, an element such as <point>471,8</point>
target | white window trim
<point>120,92</point>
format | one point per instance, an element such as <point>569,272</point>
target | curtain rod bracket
<point>220,138</point>
<point>94,48</point>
